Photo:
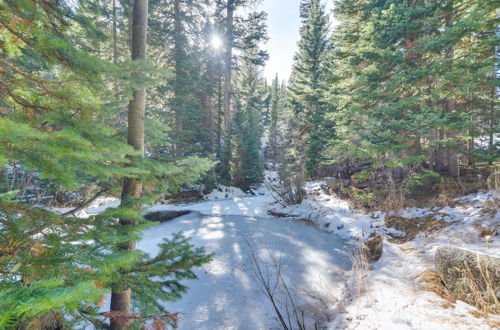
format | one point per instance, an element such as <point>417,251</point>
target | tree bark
<point>132,188</point>
<point>115,44</point>
<point>228,62</point>
<point>449,103</point>
<point>114,40</point>
<point>491,140</point>
<point>130,19</point>
<point>178,58</point>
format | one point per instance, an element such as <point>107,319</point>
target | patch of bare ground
<point>412,227</point>
<point>280,214</point>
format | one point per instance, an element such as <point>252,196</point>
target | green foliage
<point>42,272</point>
<point>422,181</point>
<point>56,118</point>
<point>246,130</point>
<point>411,82</point>
<point>308,129</point>
<point>276,119</point>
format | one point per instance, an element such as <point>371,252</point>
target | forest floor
<point>391,294</point>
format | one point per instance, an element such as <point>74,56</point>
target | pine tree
<point>307,126</point>
<point>55,269</point>
<point>246,132</point>
<point>246,34</point>
<point>404,96</point>
<point>275,125</point>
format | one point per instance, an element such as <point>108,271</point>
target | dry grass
<point>481,289</point>
<point>494,324</point>
<point>412,227</point>
<point>360,269</point>
<point>432,281</point>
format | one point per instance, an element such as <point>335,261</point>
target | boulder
<point>468,274</point>
<point>332,181</point>
<point>163,216</point>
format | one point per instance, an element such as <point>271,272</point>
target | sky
<point>283,24</point>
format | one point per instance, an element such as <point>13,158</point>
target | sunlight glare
<point>216,42</point>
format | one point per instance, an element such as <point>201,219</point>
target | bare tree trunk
<point>209,107</point>
<point>220,108</point>
<point>178,58</point>
<point>132,188</point>
<point>130,20</point>
<point>114,40</point>
<point>491,140</point>
<point>449,103</point>
<point>228,63</point>
<point>115,45</point>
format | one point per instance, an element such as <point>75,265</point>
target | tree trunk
<point>132,188</point>
<point>114,40</point>
<point>228,63</point>
<point>178,58</point>
<point>130,19</point>
<point>220,109</point>
<point>449,103</point>
<point>209,112</point>
<point>491,138</point>
<point>115,45</point>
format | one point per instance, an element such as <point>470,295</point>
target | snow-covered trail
<point>227,294</point>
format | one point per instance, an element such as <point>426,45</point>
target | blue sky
<point>283,24</point>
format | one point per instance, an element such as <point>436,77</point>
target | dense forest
<point>394,102</point>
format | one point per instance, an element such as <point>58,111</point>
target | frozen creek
<point>227,294</point>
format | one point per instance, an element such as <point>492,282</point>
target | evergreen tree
<point>400,96</point>
<point>246,133</point>
<point>175,31</point>
<point>245,34</point>
<point>55,269</point>
<point>275,125</point>
<point>307,128</point>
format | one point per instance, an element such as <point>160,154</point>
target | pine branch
<point>82,205</point>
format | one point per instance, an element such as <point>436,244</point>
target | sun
<point>216,42</point>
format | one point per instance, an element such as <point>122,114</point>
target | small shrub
<point>422,182</point>
<point>290,190</point>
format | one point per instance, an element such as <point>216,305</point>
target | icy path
<point>227,295</point>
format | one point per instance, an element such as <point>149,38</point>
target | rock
<point>332,181</point>
<point>468,275</point>
<point>346,182</point>
<point>163,216</point>
<point>373,247</point>
<point>488,233</point>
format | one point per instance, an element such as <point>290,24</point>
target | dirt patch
<point>163,216</point>
<point>280,214</point>
<point>412,227</point>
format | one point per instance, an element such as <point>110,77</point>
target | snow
<point>96,207</point>
<point>227,294</point>
<point>333,214</point>
<point>389,296</point>
<point>393,296</point>
<point>223,192</point>
<point>482,142</point>
<point>235,204</point>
